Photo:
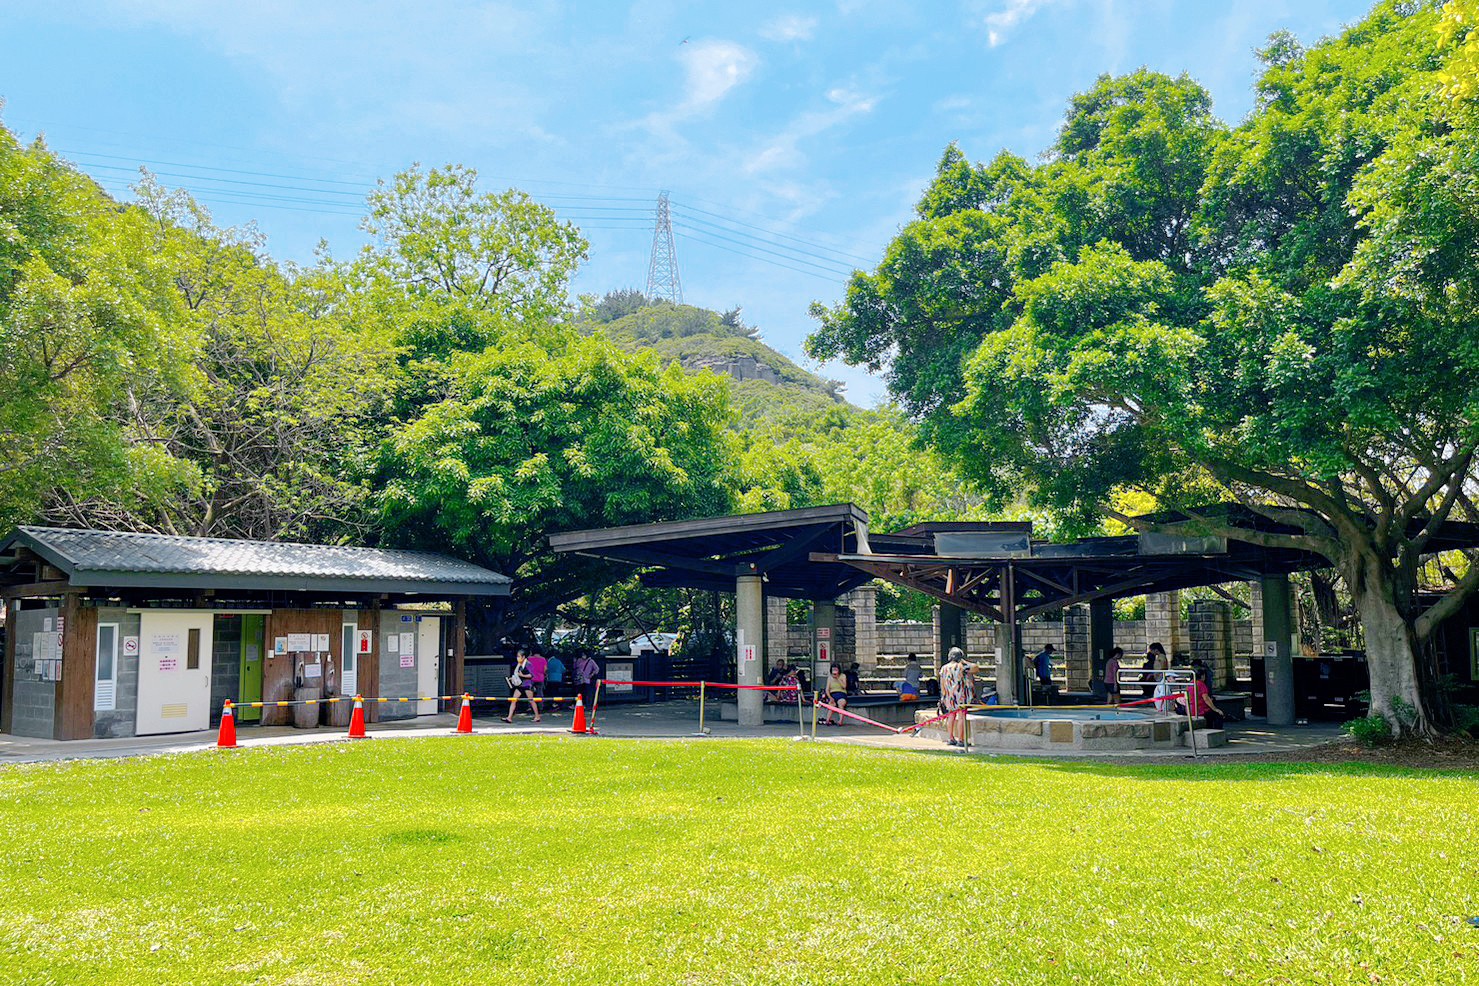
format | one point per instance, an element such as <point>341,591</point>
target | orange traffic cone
<point>357,719</point>
<point>226,739</point>
<point>464,718</point>
<point>579,726</point>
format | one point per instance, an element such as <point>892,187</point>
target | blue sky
<point>794,137</point>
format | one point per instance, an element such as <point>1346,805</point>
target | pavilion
<point>997,569</point>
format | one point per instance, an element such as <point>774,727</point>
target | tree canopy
<point>1278,314</point>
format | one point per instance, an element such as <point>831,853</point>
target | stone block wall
<point>1078,661</point>
<point>1211,638</point>
<point>225,663</point>
<point>1163,623</point>
<point>33,712</point>
<point>394,679</point>
<point>120,721</point>
<point>863,603</point>
<point>777,631</point>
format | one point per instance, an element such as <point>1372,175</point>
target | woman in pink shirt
<point>1202,706</point>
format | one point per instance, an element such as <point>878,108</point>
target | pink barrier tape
<point>853,715</point>
<point>931,722</point>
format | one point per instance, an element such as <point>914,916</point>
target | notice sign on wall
<point>408,660</point>
<point>616,672</point>
<point>366,641</point>
<point>408,643</point>
<point>747,653</point>
<point>300,642</point>
<point>314,670</point>
<point>130,646</point>
<point>321,642</point>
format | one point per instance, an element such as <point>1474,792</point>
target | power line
<point>774,253</point>
<point>764,229</point>
<point>700,238</point>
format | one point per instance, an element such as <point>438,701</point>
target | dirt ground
<point>1447,754</point>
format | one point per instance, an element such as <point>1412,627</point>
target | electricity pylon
<point>662,270</point>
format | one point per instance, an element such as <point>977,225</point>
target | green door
<point>251,665</point>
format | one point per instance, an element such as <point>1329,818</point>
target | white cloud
<point>789,27</point>
<point>999,22</point>
<point>712,69</point>
<point>783,150</point>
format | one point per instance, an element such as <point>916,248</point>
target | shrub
<point>1372,730</point>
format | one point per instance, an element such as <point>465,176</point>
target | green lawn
<point>564,860</point>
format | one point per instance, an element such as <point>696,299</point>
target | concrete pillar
<point>823,639</point>
<point>1255,615</point>
<point>1163,622</point>
<point>1101,633</point>
<point>749,634</point>
<point>1278,649</point>
<point>949,631</point>
<point>864,603</point>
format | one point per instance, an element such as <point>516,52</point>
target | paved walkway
<point>668,720</point>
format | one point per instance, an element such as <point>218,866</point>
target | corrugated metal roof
<point>89,556</point>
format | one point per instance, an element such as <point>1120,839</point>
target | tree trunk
<point>1391,654</point>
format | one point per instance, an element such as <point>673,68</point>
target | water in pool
<point>1097,715</point>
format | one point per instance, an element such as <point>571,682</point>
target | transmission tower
<point>662,270</point>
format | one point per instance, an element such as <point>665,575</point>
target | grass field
<point>559,860</point>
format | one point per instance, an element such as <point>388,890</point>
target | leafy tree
<point>1278,316</point>
<point>276,417</point>
<point>84,309</point>
<point>454,270</point>
<point>532,441</point>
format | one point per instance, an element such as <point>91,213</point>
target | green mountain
<point>765,383</point>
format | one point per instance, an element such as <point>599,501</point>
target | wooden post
<point>7,671</point>
<point>74,692</point>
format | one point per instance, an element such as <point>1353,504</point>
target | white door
<point>428,661</point>
<point>174,672</point>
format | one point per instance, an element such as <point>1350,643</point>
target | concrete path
<point>666,721</point>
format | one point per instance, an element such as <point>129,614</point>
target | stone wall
<point>225,662</point>
<point>120,721</point>
<point>1211,638</point>
<point>394,679</point>
<point>33,710</point>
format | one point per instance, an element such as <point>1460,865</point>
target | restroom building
<point>122,634</point>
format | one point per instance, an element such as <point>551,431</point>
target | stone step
<point>1206,738</point>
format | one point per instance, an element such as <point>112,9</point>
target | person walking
<point>521,684</point>
<point>1112,675</point>
<point>955,694</point>
<point>537,667</point>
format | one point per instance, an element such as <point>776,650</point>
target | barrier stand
<point>701,692</point>
<point>596,704</point>
<point>800,722</point>
<point>814,701</point>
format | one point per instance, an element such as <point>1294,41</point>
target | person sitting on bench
<point>1202,706</point>
<point>908,688</point>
